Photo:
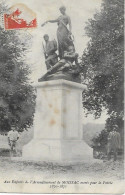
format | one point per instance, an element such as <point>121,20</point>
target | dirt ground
<point>112,170</point>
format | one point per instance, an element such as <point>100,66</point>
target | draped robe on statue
<point>63,35</point>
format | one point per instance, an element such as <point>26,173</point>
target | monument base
<point>57,151</point>
<point>58,133</point>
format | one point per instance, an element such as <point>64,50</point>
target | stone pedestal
<point>58,124</point>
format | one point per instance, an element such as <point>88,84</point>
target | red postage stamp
<point>19,17</point>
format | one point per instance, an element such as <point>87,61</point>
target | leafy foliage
<point>17,96</point>
<point>101,140</point>
<point>103,62</point>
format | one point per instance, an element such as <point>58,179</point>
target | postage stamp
<point>19,17</point>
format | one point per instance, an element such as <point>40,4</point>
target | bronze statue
<point>67,67</point>
<point>64,35</point>
<point>50,52</point>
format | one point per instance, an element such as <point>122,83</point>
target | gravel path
<point>107,170</point>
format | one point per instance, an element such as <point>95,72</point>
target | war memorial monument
<point>58,118</point>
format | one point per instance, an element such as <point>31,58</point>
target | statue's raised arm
<point>51,21</point>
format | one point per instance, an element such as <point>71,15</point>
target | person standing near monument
<point>13,136</point>
<point>50,52</point>
<point>63,33</point>
<point>114,143</point>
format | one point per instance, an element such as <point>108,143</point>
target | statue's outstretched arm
<point>51,21</point>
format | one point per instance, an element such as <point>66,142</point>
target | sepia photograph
<point>62,96</point>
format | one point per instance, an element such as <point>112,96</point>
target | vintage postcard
<point>62,96</point>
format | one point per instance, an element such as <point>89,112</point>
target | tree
<point>17,96</point>
<point>103,63</point>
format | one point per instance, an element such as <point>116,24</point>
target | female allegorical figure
<point>63,33</point>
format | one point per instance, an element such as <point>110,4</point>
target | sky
<point>78,10</point>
